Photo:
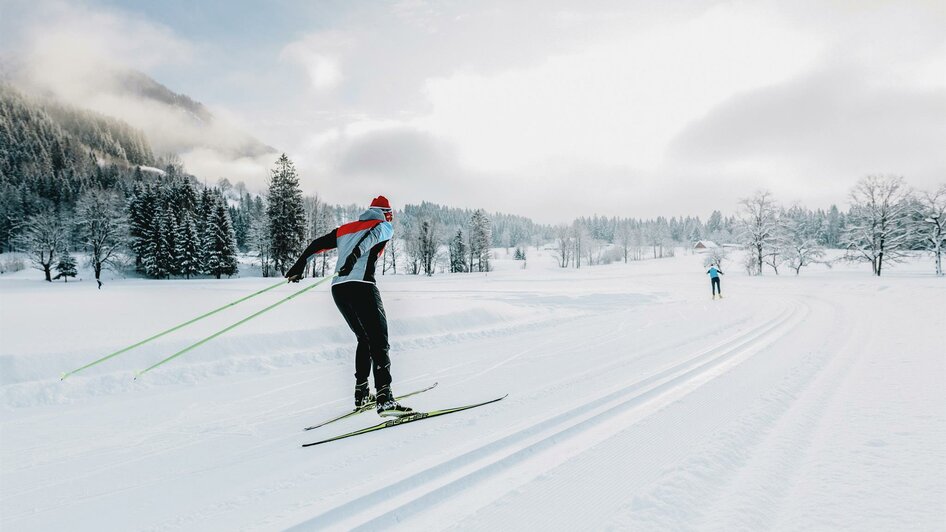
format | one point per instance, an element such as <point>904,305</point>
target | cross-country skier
<point>359,245</point>
<point>714,273</point>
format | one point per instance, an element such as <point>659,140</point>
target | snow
<point>635,402</point>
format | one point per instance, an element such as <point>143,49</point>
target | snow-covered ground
<point>635,402</point>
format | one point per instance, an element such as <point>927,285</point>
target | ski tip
<point>62,376</point>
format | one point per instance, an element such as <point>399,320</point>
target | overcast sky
<point>548,109</point>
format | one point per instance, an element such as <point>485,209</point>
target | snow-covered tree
<point>758,225</point>
<point>223,250</point>
<point>286,215</point>
<point>66,266</point>
<point>877,230</point>
<point>187,244</point>
<point>159,262</point>
<point>43,236</point>
<point>103,227</point>
<point>800,243</point>
<point>932,225</point>
<point>316,225</point>
<point>424,248</point>
<point>389,258</point>
<point>565,244</point>
<point>458,253</point>
<point>480,240</point>
<point>141,207</point>
<point>716,256</point>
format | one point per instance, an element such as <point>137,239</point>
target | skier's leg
<point>345,299</point>
<point>371,315</point>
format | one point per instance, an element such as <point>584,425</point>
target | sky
<point>548,109</point>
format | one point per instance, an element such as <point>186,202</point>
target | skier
<point>714,273</point>
<point>359,245</point>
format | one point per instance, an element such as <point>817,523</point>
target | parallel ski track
<point>399,500</point>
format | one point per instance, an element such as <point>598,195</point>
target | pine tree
<point>66,266</point>
<point>141,224</point>
<point>458,253</point>
<point>159,261</point>
<point>286,214</point>
<point>480,240</point>
<point>223,248</point>
<point>187,242</point>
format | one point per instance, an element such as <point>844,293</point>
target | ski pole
<point>172,329</point>
<point>231,327</point>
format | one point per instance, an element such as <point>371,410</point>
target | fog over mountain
<point>210,143</point>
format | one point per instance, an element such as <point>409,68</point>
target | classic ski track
<point>437,483</point>
<point>82,448</point>
<point>684,482</point>
<point>773,459</point>
<point>174,425</point>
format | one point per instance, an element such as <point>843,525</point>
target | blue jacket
<point>361,242</point>
<point>713,272</point>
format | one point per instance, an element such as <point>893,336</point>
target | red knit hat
<point>381,203</point>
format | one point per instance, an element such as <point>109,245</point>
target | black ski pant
<point>714,283</point>
<point>360,304</point>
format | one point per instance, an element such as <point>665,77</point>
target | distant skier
<point>714,273</point>
<point>359,245</point>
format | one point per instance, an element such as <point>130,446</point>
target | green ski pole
<point>231,327</point>
<point>172,329</point>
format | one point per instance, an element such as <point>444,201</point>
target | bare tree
<point>877,228</point>
<point>43,237</point>
<point>389,259</point>
<point>625,238</point>
<point>258,240</point>
<point>800,243</point>
<point>564,240</point>
<point>758,225</point>
<point>317,224</point>
<point>932,228</point>
<point>103,227</point>
<point>717,256</point>
<point>427,246</point>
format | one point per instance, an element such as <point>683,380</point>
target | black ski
<point>410,418</point>
<point>369,406</point>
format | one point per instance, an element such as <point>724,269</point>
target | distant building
<point>703,245</point>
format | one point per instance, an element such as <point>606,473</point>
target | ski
<point>369,406</point>
<point>410,418</point>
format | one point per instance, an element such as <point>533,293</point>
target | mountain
<point>236,143</point>
<point>173,123</point>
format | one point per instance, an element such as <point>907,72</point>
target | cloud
<point>320,55</point>
<point>91,57</point>
<point>822,131</point>
<point>70,48</point>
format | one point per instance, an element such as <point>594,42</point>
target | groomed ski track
<point>635,403</point>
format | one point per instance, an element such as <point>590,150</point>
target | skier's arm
<point>320,244</point>
<point>379,233</point>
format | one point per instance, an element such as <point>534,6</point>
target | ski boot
<point>388,407</point>
<point>363,396</point>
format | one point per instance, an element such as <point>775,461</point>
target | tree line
<point>886,222</point>
<point>75,180</point>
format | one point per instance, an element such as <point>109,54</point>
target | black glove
<point>349,265</point>
<point>295,273</point>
